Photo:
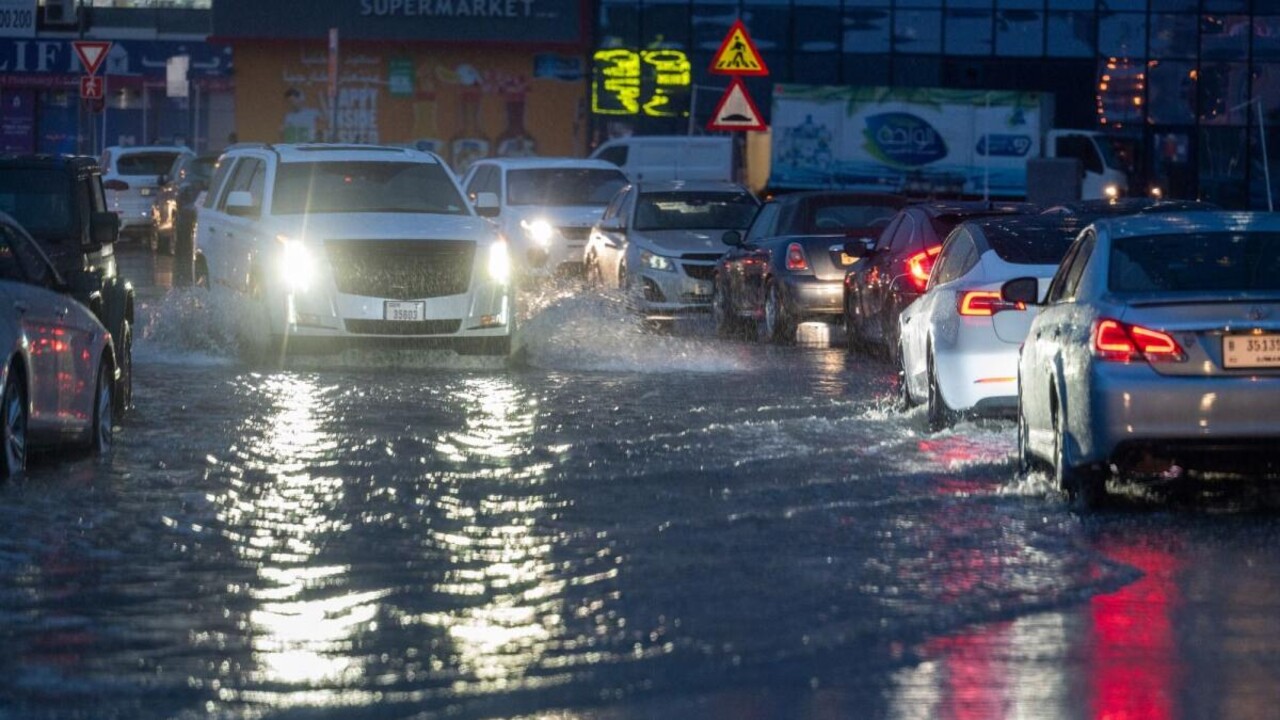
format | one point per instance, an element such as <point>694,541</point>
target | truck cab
<point>1103,174</point>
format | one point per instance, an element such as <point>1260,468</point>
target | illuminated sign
<point>644,82</point>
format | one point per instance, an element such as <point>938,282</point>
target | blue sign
<point>540,22</point>
<point>138,58</point>
<point>903,139</point>
<point>1005,145</point>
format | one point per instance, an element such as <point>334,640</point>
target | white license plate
<point>404,311</point>
<point>1251,351</point>
<point>146,192</point>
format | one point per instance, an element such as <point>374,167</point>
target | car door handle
<point>21,306</point>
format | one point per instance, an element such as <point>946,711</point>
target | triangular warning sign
<point>736,110</point>
<point>738,55</point>
<point>92,53</point>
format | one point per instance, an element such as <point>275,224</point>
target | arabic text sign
<point>17,18</point>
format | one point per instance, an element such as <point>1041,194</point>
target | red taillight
<point>115,185</point>
<point>981,303</point>
<point>795,258</point>
<point>1114,340</point>
<point>919,266</point>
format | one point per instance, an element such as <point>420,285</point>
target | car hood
<point>385,226</point>
<point>678,242</point>
<point>562,216</point>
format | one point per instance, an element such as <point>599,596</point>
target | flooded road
<point>621,524</point>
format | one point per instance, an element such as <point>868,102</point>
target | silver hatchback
<point>1157,348</point>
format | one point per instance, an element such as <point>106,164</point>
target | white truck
<point>927,141</point>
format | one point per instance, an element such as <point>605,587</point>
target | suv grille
<point>575,233</point>
<point>700,272</point>
<point>401,269</point>
<point>409,327</point>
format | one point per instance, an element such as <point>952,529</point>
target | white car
<point>131,178</point>
<point>356,243</point>
<point>546,205</point>
<point>59,374</point>
<point>1157,346</point>
<point>959,340</point>
<point>660,242</point>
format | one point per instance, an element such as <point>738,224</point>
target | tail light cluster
<point>920,265</point>
<point>1121,342</point>
<point>796,261</point>
<point>985,303</point>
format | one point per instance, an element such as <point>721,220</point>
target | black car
<point>893,270</point>
<point>59,200</point>
<point>176,208</point>
<point>1090,210</point>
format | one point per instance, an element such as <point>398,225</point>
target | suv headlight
<point>656,262</point>
<point>539,231</point>
<point>297,263</point>
<point>499,262</point>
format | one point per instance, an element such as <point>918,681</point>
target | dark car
<point>894,269</point>
<point>176,207</point>
<point>1091,210</point>
<point>59,200</point>
<point>789,267</point>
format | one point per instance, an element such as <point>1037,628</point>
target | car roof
<point>966,208</point>
<point>131,149</point>
<point>690,186</point>
<point>1028,226</point>
<point>548,162</point>
<point>328,152</point>
<point>1128,206</point>
<point>1185,222</point>
<point>842,195</point>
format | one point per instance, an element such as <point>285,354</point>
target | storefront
<point>465,80</point>
<point>41,109</point>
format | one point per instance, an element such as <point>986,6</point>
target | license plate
<point>404,311</point>
<point>1251,351</point>
<point>146,192</point>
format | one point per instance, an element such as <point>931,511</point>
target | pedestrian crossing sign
<point>736,110</point>
<point>738,55</point>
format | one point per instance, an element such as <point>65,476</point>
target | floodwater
<point>619,524</point>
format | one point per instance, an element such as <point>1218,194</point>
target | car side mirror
<point>732,237</point>
<point>104,229</point>
<point>612,225</point>
<point>487,204</point>
<point>860,248</point>
<point>1025,290</point>
<point>241,204</point>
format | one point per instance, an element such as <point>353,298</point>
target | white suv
<point>546,205</point>
<point>355,242</point>
<point>131,178</point>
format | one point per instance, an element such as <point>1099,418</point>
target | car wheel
<point>728,324</point>
<point>103,410</point>
<point>591,275</point>
<point>200,275</point>
<point>165,243</point>
<point>1025,460</point>
<point>1085,487</point>
<point>941,417</point>
<point>777,326</point>
<point>14,421</point>
<point>124,355</point>
<point>905,401</point>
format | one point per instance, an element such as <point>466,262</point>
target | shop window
<point>1224,37</point>
<point>918,4</point>
<point>711,22</point>
<point>1071,34</point>
<point>865,70</point>
<point>1174,36</point>
<point>1266,90</point>
<point>1019,33</point>
<point>1226,5</point>
<point>1122,35</point>
<point>1266,38</point>
<point>917,31</point>
<point>1224,89</point>
<point>1171,92</point>
<point>665,26</point>
<point>1020,4</point>
<point>1071,4</point>
<point>817,68</point>
<point>866,31</point>
<point>769,22</point>
<point>916,70</point>
<point>968,32</point>
<point>619,24</point>
<point>816,26</point>
<point>1222,155</point>
<point>1263,179</point>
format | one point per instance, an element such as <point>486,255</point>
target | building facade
<point>1189,88</point>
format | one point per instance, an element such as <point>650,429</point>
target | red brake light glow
<point>1114,340</point>
<point>984,303</point>
<point>920,265</point>
<point>795,258</point>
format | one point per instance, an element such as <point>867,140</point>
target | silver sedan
<point>1156,350</point>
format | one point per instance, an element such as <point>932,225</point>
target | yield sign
<point>736,110</point>
<point>92,53</point>
<point>738,55</point>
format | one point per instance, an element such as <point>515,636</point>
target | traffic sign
<point>92,53</point>
<point>736,110</point>
<point>91,87</point>
<point>738,55</point>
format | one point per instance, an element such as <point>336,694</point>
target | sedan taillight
<point>796,260</point>
<point>984,303</point>
<point>920,265</point>
<point>1121,342</point>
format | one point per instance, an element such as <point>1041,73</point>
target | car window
<point>958,255</point>
<point>616,155</point>
<point>35,267</point>
<point>1082,149</point>
<point>217,186</point>
<point>39,199</point>
<point>1071,278</point>
<point>145,163</point>
<point>694,211</point>
<point>762,226</point>
<point>242,179</point>
<point>175,169</point>
<point>566,186</point>
<point>1203,262</point>
<point>479,177</point>
<point>900,241</point>
<point>97,196</point>
<point>615,205</point>
<point>9,267</point>
<point>835,217</point>
<point>364,186</point>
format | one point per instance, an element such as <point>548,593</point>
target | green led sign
<point>644,82</point>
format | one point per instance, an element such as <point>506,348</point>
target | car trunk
<point>1237,337</point>
<point>825,254</point>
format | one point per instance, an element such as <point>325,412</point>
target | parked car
<point>960,341</point>
<point>131,177</point>
<point>893,270</point>
<point>546,205</point>
<point>356,244</point>
<point>791,264</point>
<point>1157,345</point>
<point>659,241</point>
<point>60,202</point>
<point>59,372</point>
<point>176,207</point>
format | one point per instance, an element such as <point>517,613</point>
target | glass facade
<point>1189,88</point>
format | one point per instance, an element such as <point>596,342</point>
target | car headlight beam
<point>297,264</point>
<point>539,231</point>
<point>499,262</point>
<point>654,261</point>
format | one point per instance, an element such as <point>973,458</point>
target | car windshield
<point>201,168</point>
<point>1030,244</point>
<point>145,163</point>
<point>40,200</point>
<point>695,211</point>
<point>1195,263</point>
<point>837,217</point>
<point>366,187</point>
<point>563,186</point>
